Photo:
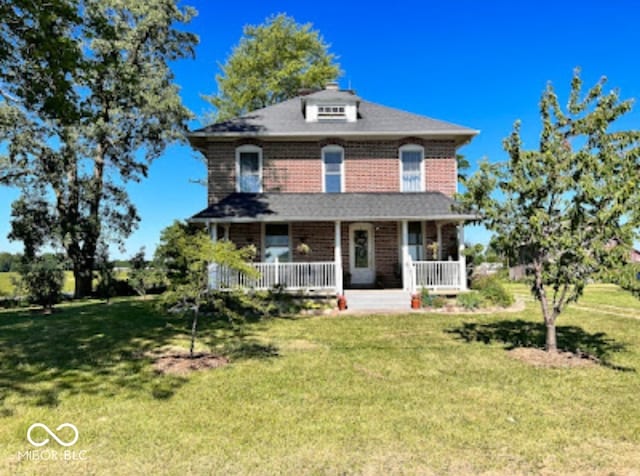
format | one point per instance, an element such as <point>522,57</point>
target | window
<point>249,169</point>
<point>333,111</point>
<point>276,242</point>
<point>332,160</point>
<point>416,248</point>
<point>411,179</point>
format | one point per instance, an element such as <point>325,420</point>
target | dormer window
<point>331,112</point>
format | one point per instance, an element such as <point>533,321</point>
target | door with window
<point>361,254</point>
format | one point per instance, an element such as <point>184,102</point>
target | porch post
<point>337,257</point>
<point>462,260</point>
<point>405,256</point>
<point>213,267</point>
<point>439,234</point>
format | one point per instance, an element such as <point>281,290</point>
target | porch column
<point>337,257</point>
<point>213,267</point>
<point>462,260</point>
<point>406,272</point>
<point>439,239</point>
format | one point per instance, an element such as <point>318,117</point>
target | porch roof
<point>289,207</point>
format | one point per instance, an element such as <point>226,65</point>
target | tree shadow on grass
<point>521,333</point>
<point>89,348</point>
<point>97,349</point>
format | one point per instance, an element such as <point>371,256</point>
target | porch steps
<point>378,299</point>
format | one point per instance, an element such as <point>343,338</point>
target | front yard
<point>384,394</point>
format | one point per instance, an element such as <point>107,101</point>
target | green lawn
<point>405,394</point>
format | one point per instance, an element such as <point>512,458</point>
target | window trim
<point>330,114</point>
<point>332,148</point>
<point>248,148</point>
<point>264,240</point>
<point>412,148</point>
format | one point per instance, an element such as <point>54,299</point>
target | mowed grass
<point>382,394</point>
<point>7,288</point>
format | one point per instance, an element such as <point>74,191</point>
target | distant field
<point>6,288</point>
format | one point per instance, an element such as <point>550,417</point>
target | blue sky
<point>478,64</point>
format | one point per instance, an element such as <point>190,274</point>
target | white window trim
<point>412,148</point>
<point>263,241</point>
<point>248,148</point>
<point>333,148</point>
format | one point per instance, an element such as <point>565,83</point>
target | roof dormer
<point>331,105</point>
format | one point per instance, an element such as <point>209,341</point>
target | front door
<point>361,254</point>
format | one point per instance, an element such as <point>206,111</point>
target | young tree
<point>272,62</point>
<point>142,274</point>
<point>43,278</point>
<point>565,204</point>
<point>86,114</point>
<point>185,253</point>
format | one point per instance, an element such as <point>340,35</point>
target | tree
<point>564,204</point>
<point>105,270</point>
<point>43,278</point>
<point>91,120</point>
<point>142,274</point>
<point>272,63</point>
<point>185,253</point>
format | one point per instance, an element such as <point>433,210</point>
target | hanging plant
<point>303,249</point>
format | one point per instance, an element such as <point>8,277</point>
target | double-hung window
<point>276,242</point>
<point>332,165</point>
<point>411,169</point>
<point>249,169</point>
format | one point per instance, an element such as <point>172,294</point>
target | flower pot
<point>415,302</point>
<point>342,302</point>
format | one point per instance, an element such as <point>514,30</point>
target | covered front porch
<point>331,257</point>
<point>332,242</point>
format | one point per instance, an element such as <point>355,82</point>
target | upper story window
<point>331,111</point>
<point>411,168</point>
<point>333,168</point>
<point>249,169</point>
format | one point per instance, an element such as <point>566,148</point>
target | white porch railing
<point>293,276</point>
<point>435,275</point>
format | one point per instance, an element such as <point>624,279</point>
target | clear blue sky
<point>478,64</point>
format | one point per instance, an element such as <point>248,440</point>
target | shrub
<point>492,290</point>
<point>425,298</point>
<point>439,302</point>
<point>470,301</point>
<point>43,278</point>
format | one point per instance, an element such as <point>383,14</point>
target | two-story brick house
<point>335,191</point>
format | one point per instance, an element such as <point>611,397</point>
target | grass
<point>383,394</point>
<point>7,289</point>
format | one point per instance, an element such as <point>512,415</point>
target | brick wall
<point>320,238</point>
<point>370,166</point>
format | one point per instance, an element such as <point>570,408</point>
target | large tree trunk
<point>83,281</point>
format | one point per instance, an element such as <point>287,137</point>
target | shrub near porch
<point>366,394</point>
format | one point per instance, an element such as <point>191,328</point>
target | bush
<point>470,301</point>
<point>425,298</point>
<point>492,290</point>
<point>43,279</point>
<point>439,302</point>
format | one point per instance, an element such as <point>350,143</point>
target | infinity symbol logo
<point>53,435</point>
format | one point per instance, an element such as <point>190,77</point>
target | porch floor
<point>377,299</point>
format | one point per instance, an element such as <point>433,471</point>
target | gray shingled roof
<point>287,119</point>
<point>283,207</point>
